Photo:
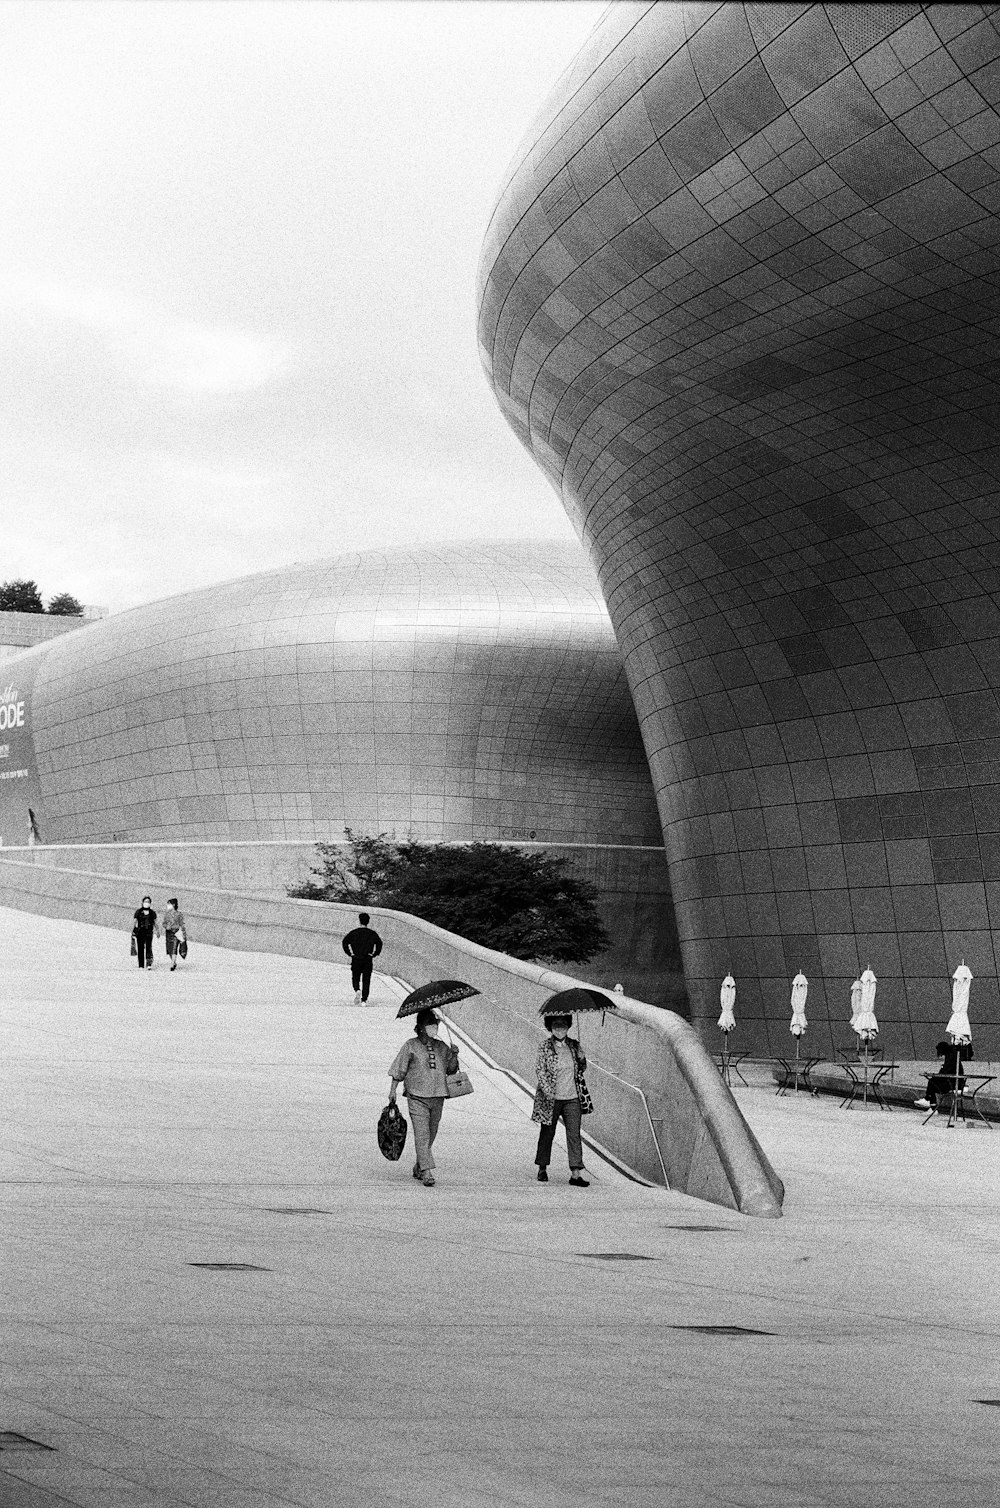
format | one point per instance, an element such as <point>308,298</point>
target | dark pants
<point>569,1110</point>
<point>361,975</point>
<point>144,948</point>
<point>170,938</point>
<point>943,1083</point>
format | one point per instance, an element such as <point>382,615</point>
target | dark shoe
<point>579,1182</point>
<point>416,1170</point>
<point>427,1179</point>
<point>543,1175</point>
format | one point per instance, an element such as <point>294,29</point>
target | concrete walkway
<point>460,1347</point>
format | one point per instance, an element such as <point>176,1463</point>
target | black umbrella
<point>438,992</point>
<point>575,1002</point>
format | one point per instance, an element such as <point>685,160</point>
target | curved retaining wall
<point>661,1105</point>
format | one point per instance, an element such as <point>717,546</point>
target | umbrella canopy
<point>800,988</point>
<point>573,1002</point>
<point>727,999</point>
<point>863,1020</point>
<point>958,1023</point>
<point>855,1003</point>
<point>438,992</point>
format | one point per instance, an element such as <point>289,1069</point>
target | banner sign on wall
<point>21,817</point>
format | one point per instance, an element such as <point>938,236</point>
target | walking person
<point>561,1095</point>
<point>421,1066</point>
<point>174,930</point>
<point>362,945</point>
<point>144,926</point>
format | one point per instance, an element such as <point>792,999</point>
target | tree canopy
<point>24,597</point>
<point>65,605</point>
<point>20,597</point>
<point>501,897</point>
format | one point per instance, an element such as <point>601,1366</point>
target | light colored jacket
<point>412,1067</point>
<point>544,1108</point>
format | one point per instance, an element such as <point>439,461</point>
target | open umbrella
<point>574,1002</point>
<point>958,1022</point>
<point>800,988</point>
<point>438,992</point>
<point>727,999</point>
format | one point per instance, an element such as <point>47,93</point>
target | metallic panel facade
<point>465,692</point>
<point>740,297</point>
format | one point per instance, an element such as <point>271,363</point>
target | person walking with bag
<point>174,931</point>
<point>422,1066</point>
<point>561,1095</point>
<point>143,927</point>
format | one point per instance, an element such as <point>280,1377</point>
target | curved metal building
<point>740,297</point>
<point>474,691</point>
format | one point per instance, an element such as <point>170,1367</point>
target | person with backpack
<point>362,946</point>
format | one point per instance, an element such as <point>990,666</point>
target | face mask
<point>431,1031</point>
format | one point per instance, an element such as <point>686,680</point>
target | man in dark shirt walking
<point>362,946</point>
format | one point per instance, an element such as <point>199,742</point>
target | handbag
<point>135,947</point>
<point>182,943</point>
<point>458,1083</point>
<point>391,1132</point>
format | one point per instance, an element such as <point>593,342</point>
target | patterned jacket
<point>545,1070</point>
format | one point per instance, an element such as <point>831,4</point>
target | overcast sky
<point>238,245</point>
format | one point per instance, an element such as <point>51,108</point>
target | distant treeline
<point>24,597</point>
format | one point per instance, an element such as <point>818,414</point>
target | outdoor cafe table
<point>865,1075</point>
<point>961,1096</point>
<point>796,1071</point>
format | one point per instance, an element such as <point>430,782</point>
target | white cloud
<point>159,351</point>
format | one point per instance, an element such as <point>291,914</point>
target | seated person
<point>955,1051</point>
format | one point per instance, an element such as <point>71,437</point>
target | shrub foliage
<point>520,903</point>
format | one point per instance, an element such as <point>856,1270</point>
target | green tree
<point>520,903</point>
<point>65,605</point>
<point>20,597</point>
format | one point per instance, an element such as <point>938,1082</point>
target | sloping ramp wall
<point>661,1106</point>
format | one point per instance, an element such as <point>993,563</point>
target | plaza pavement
<point>459,1347</point>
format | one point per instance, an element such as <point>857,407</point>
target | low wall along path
<point>662,1108</point>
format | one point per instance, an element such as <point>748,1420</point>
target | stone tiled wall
<point>463,692</point>
<point>740,298</point>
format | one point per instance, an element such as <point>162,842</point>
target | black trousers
<point>569,1112</point>
<point>361,975</point>
<point>144,948</point>
<point>943,1083</point>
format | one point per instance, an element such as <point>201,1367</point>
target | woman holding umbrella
<point>422,1066</point>
<point>562,1094</point>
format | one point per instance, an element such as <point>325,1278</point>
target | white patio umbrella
<point>800,988</point>
<point>958,1022</point>
<point>855,1003</point>
<point>727,999</point>
<point>864,1022</point>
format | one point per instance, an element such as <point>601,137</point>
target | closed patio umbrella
<point>958,1022</point>
<point>855,1003</point>
<point>727,999</point>
<point>864,1021</point>
<point>800,988</point>
<point>727,1020</point>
